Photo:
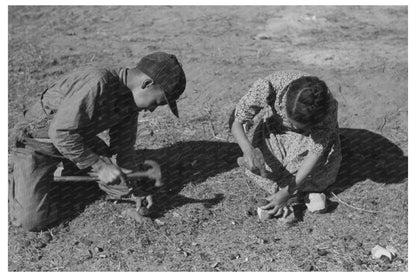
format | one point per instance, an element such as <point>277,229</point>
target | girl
<point>297,134</point>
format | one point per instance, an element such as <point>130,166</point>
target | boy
<point>63,127</point>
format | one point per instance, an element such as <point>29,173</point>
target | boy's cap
<point>167,72</point>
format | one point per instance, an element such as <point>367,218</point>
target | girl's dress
<point>284,147</point>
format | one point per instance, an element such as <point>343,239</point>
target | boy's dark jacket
<point>84,103</point>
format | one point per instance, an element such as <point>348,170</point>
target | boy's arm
<point>72,119</point>
<point>122,141</point>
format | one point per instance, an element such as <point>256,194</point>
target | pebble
<point>263,214</point>
<point>263,36</point>
<point>46,237</point>
<point>378,252</point>
<point>85,241</point>
<point>322,252</point>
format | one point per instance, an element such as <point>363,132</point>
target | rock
<point>85,241</point>
<point>46,237</point>
<point>132,213</point>
<point>316,202</point>
<point>98,249</point>
<point>39,245</point>
<point>143,211</point>
<point>322,252</point>
<point>378,252</point>
<point>263,214</point>
<point>263,36</point>
<point>214,265</point>
<point>392,250</point>
<point>307,267</point>
<point>159,222</point>
<point>262,202</point>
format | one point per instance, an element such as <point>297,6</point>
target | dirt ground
<point>204,219</point>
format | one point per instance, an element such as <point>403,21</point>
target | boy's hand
<point>277,204</point>
<point>107,172</point>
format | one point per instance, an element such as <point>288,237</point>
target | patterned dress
<point>262,111</point>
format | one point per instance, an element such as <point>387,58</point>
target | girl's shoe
<point>316,202</point>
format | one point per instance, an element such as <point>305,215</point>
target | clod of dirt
<point>159,222</point>
<point>85,241</point>
<point>132,213</point>
<point>46,237</point>
<point>214,265</point>
<point>251,211</point>
<point>143,211</point>
<point>322,252</point>
<point>263,36</point>
<point>98,249</point>
<point>26,243</point>
<point>234,256</point>
<point>392,250</point>
<point>39,244</point>
<point>358,261</point>
<point>307,267</point>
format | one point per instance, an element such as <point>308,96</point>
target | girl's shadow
<point>189,162</point>
<point>367,155</point>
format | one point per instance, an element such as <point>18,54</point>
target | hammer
<point>153,172</point>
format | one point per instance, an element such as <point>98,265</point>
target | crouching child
<point>62,128</point>
<point>294,140</point>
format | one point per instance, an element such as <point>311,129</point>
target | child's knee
<point>30,219</point>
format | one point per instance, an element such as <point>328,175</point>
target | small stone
<point>132,213</point>
<point>143,211</point>
<point>98,249</point>
<point>234,256</point>
<point>39,245</point>
<point>263,214</point>
<point>322,252</point>
<point>26,243</point>
<point>85,241</point>
<point>378,252</point>
<point>175,214</point>
<point>46,237</point>
<point>358,261</point>
<point>214,265</point>
<point>159,222</point>
<point>307,267</point>
<point>263,36</point>
<point>262,202</point>
<point>194,244</point>
<point>392,250</point>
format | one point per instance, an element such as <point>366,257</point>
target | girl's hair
<point>307,100</point>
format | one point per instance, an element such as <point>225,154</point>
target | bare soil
<point>204,219</point>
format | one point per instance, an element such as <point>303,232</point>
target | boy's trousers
<point>35,200</point>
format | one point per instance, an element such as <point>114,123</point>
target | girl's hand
<point>253,159</point>
<point>277,204</point>
<point>249,159</point>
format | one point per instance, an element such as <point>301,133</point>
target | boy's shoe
<point>316,202</point>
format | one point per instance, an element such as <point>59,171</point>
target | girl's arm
<point>240,136</point>
<point>247,108</point>
<point>279,199</point>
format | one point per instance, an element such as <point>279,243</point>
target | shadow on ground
<point>367,155</point>
<point>190,162</point>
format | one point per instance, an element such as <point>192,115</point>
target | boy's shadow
<point>367,155</point>
<point>189,162</point>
